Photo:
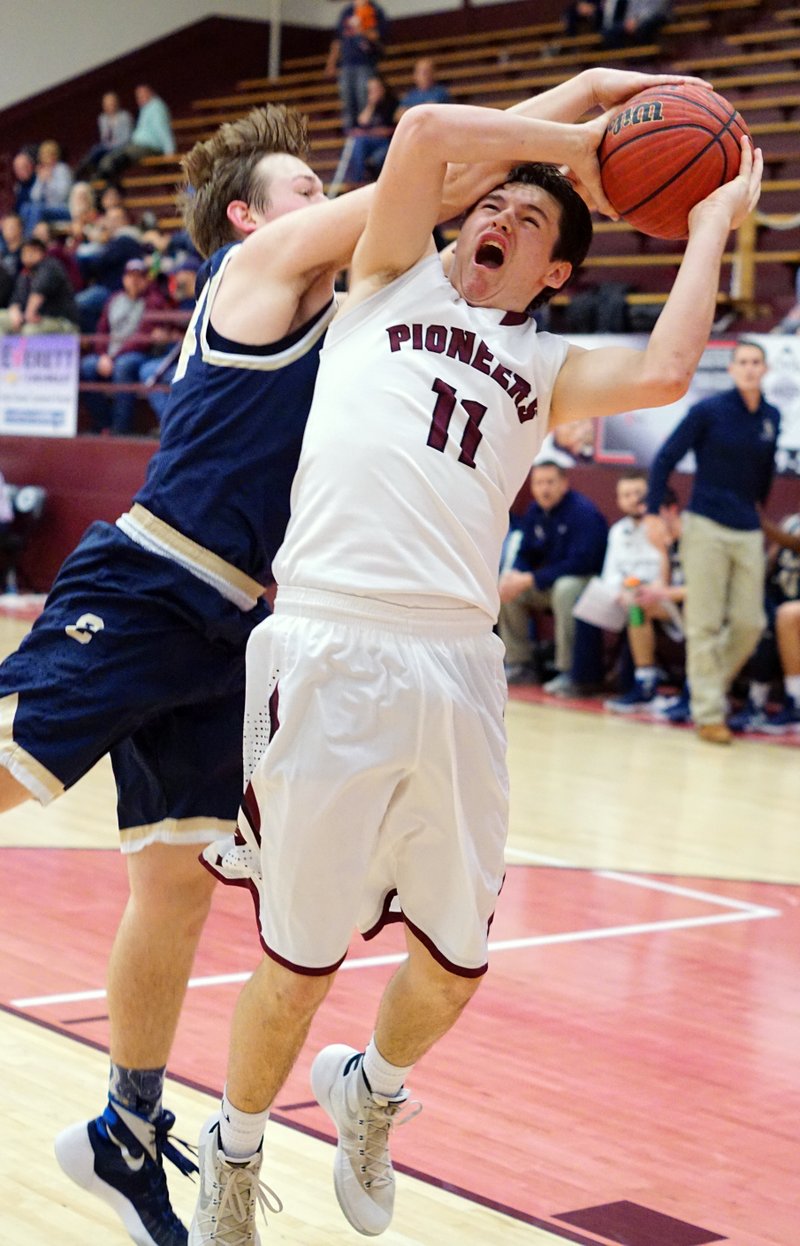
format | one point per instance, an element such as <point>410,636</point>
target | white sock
<point>792,685</point>
<point>759,695</point>
<point>382,1077</point>
<point>645,674</point>
<point>240,1133</point>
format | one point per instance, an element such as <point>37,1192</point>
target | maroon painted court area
<point>631,1225</point>
<point>631,1049</point>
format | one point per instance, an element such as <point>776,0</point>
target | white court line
<point>743,912</point>
<point>708,896</point>
<point>537,858</point>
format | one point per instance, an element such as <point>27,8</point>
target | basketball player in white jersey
<point>374,721</point>
<point>218,493</point>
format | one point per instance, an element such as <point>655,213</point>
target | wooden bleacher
<point>498,68</point>
<point>748,38</point>
<point>737,59</point>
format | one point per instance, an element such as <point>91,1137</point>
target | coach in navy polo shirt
<point>733,435</point>
<point>561,544</point>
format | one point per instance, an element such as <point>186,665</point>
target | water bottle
<point>635,612</point>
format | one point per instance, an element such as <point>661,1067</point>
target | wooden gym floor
<point>629,1071</point>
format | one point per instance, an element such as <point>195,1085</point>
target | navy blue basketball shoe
<point>119,1157</point>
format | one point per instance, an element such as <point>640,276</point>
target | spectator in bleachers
<point>775,655</point>
<point>83,213</point>
<point>114,127</point>
<point>123,320</point>
<point>629,553</point>
<point>24,170</point>
<point>660,592</point>
<point>111,197</point>
<point>582,15</point>
<point>160,368</point>
<point>787,627</point>
<point>11,238</point>
<point>59,251</point>
<point>354,54</point>
<point>49,193</point>
<point>6,287</point>
<point>733,435</point>
<point>103,263</point>
<point>561,545</point>
<point>426,90</point>
<point>373,133</point>
<point>152,136</point>
<point>43,300</point>
<point>632,21</point>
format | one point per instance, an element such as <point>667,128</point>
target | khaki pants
<point>514,621</point>
<point>724,570</point>
<point>48,324</point>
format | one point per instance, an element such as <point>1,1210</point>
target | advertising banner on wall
<point>39,386</point>
<point>634,438</point>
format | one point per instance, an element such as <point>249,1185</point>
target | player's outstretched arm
<point>598,87</point>
<point>608,380</point>
<point>409,189</point>
<point>568,102</point>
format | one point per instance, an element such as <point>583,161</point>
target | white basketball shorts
<point>376,751</point>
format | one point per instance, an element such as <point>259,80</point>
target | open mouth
<point>489,255</point>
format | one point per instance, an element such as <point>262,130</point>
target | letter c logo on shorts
<point>85,628</point>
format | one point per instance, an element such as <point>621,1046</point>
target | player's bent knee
<point>169,878</point>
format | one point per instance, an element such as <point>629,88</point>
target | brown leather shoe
<point>714,733</point>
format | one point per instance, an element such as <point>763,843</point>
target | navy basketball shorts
<point>136,657</point>
<point>376,754</point>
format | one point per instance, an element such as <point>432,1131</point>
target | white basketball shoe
<point>230,1195</point>
<point>363,1176</point>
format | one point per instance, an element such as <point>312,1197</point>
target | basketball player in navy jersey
<point>374,717</point>
<point>140,649</point>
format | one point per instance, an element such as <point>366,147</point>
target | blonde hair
<point>223,169</point>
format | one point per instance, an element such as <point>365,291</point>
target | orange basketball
<point>664,151</point>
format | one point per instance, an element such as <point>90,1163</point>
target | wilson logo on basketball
<point>639,115</point>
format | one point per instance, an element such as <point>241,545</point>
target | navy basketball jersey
<point>231,436</point>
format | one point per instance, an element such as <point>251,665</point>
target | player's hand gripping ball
<point>665,150</point>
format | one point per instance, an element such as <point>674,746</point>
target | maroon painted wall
<point>206,59</point>
<point>90,478</point>
<point>86,478</point>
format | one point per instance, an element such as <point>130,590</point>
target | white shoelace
<point>243,1196</point>
<point>378,1119</point>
